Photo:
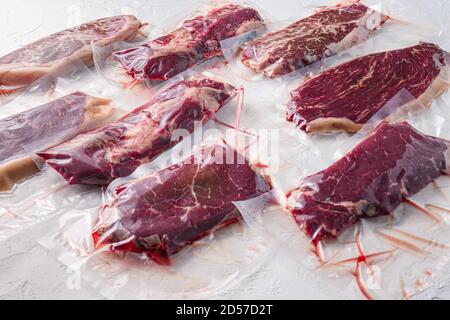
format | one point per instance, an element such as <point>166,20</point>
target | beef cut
<point>117,149</point>
<point>162,213</point>
<point>325,33</point>
<point>393,163</point>
<point>43,127</point>
<point>344,98</point>
<point>51,123</point>
<point>52,53</point>
<point>195,41</point>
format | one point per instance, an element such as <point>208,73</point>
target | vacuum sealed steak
<point>117,149</point>
<point>344,98</point>
<point>195,41</point>
<point>393,163</point>
<point>45,126</point>
<point>52,53</point>
<point>162,213</point>
<point>325,33</point>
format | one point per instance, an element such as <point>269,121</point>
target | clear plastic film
<point>316,107</point>
<point>117,149</point>
<point>194,40</point>
<point>198,270</point>
<point>327,33</point>
<point>88,243</point>
<point>185,102</point>
<point>291,48</point>
<point>62,108</point>
<point>347,93</point>
<point>54,53</point>
<point>378,215</point>
<point>174,231</point>
<point>45,126</point>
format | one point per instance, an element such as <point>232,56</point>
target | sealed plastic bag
<point>385,173</point>
<point>61,114</point>
<point>284,50</point>
<point>162,213</point>
<point>345,97</point>
<point>379,212</point>
<point>117,149</point>
<point>212,269</point>
<point>30,192</point>
<point>196,40</point>
<point>44,126</point>
<point>52,54</point>
<point>186,214</point>
<point>327,32</point>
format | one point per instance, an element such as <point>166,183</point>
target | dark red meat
<point>24,66</point>
<point>327,32</point>
<point>164,212</point>
<point>117,149</point>
<point>195,41</point>
<point>50,123</point>
<point>345,97</point>
<point>393,163</point>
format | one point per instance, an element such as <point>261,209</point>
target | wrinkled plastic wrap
<point>60,113</point>
<point>45,126</point>
<point>344,98</point>
<point>194,40</point>
<point>397,255</point>
<point>326,33</point>
<point>352,86</point>
<point>368,257</point>
<point>379,213</point>
<point>117,149</point>
<point>293,47</point>
<point>172,232</point>
<point>54,53</point>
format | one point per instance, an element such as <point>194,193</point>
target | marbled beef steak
<point>51,123</point>
<point>391,164</point>
<point>117,149</point>
<point>195,41</point>
<point>344,98</point>
<point>24,66</point>
<point>325,33</point>
<point>45,126</point>
<point>162,213</point>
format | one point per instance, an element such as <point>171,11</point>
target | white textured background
<point>28,271</point>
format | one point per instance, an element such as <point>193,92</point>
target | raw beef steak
<point>393,163</point>
<point>326,33</point>
<point>52,53</point>
<point>117,149</point>
<point>195,41</point>
<point>164,212</point>
<point>344,98</point>
<point>51,123</point>
<point>43,127</point>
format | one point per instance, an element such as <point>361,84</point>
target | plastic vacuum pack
<point>119,148</point>
<point>63,107</point>
<point>348,79</point>
<point>55,53</point>
<point>375,214</point>
<point>94,237</point>
<point>328,31</point>
<point>202,246</point>
<point>316,150</point>
<point>191,41</point>
<point>219,253</point>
